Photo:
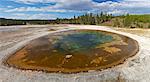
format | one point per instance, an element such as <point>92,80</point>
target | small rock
<point>96,54</point>
<point>54,50</point>
<point>68,56</point>
<point>91,70</point>
<point>86,64</point>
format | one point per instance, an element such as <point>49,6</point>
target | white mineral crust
<point>136,69</point>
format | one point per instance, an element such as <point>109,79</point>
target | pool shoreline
<point>124,71</point>
<point>73,71</point>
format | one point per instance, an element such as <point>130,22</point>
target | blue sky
<point>52,9</point>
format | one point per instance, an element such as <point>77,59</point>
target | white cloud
<point>125,6</point>
<point>117,12</point>
<point>31,16</point>
<point>61,6</point>
<point>46,1</point>
<point>2,9</point>
<point>78,5</point>
<point>42,9</point>
<point>42,16</point>
<point>84,6</point>
<point>34,1</point>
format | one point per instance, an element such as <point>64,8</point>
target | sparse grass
<point>131,21</point>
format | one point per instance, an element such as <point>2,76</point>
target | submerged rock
<point>68,56</point>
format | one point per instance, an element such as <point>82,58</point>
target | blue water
<point>81,41</point>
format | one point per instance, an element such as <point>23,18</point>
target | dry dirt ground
<point>12,38</point>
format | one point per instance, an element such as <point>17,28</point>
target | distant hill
<point>132,21</point>
<point>125,21</point>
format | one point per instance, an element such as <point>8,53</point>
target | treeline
<point>7,22</point>
<point>125,21</point>
<point>87,19</point>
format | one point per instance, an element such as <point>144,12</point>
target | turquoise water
<point>81,41</point>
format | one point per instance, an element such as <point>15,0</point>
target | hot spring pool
<point>74,51</point>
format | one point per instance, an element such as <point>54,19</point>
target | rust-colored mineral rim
<point>74,51</point>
